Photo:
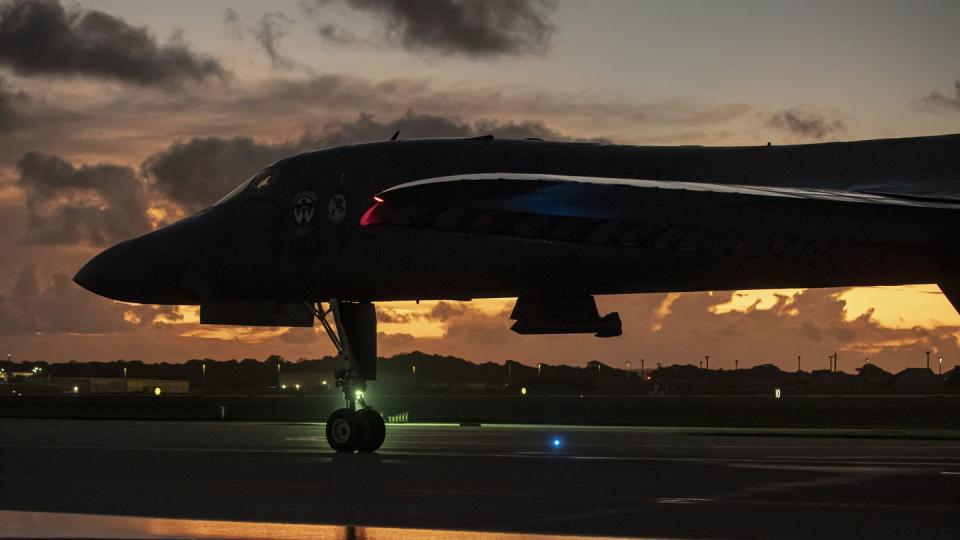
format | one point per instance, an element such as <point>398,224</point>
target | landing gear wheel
<point>374,428</point>
<point>345,430</point>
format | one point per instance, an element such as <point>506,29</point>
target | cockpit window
<point>237,190</point>
<point>258,184</point>
<point>262,182</point>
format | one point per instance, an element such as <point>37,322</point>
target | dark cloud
<point>440,312</point>
<point>444,311</point>
<point>61,307</point>
<point>270,29</point>
<point>367,128</point>
<point>230,16</point>
<point>92,204</point>
<point>806,122</point>
<point>336,34</point>
<point>144,315</point>
<point>476,29</point>
<point>40,37</point>
<point>231,22</point>
<point>393,316</point>
<point>28,120</point>
<point>12,106</point>
<point>196,173</point>
<point>938,102</point>
<point>26,283</point>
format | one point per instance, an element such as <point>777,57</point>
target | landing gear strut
<point>357,426</point>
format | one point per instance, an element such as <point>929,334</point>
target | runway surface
<point>532,479</point>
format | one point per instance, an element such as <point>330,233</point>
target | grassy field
<point>936,413</point>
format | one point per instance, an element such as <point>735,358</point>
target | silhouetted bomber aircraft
<point>323,235</point>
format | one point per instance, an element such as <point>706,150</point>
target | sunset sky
<point>118,116</point>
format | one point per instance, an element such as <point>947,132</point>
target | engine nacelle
<point>563,315</point>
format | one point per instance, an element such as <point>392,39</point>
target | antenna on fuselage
<point>395,135</point>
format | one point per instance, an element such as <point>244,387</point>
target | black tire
<point>375,429</point>
<point>345,430</point>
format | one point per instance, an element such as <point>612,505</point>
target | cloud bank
<point>938,102</point>
<point>91,204</point>
<point>807,122</point>
<point>491,28</point>
<point>41,37</point>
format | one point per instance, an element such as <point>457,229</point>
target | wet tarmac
<point>429,480</point>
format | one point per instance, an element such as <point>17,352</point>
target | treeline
<point>402,371</point>
<point>421,372</point>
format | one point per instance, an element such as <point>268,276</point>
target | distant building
<point>102,385</point>
<point>311,382</point>
<point>916,380</point>
<point>872,375</point>
<point>952,378</point>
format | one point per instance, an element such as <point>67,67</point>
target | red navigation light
<point>367,218</point>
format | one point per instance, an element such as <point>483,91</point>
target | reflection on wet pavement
<point>57,525</point>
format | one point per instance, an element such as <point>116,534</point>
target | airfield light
<point>777,393</point>
<point>523,391</point>
<point>556,442</point>
<point>283,387</point>
<point>324,383</point>
<point>157,391</point>
<point>76,389</point>
<point>297,386</point>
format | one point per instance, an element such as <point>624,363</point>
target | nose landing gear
<point>356,426</point>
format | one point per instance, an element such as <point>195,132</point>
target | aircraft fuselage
<point>301,239</point>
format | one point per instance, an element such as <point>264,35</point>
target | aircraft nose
<point>97,275</point>
<point>127,272</point>
<point>156,268</point>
